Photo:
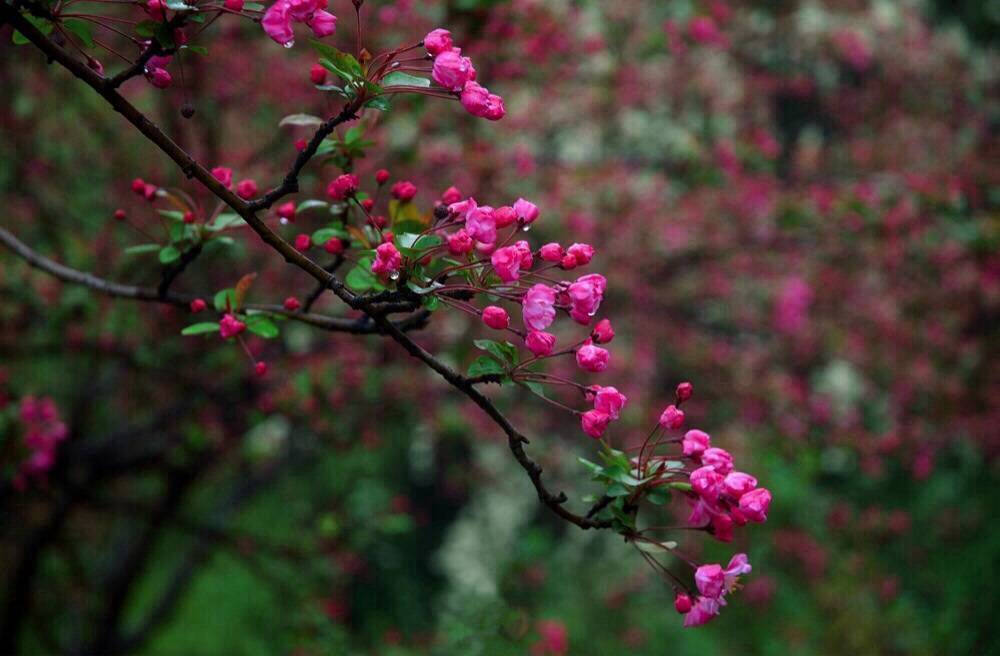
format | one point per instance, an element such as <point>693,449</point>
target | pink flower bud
<point>368,204</point>
<point>246,189</point>
<point>223,175</point>
<point>381,176</point>
<point>755,503</point>
<point>609,401</point>
<point>156,9</point>
<point>230,326</point>
<point>387,260</point>
<point>551,252</point>
<point>451,70</point>
<point>197,305</point>
<point>526,211</point>
<point>538,307</point>
<point>718,459</point>
<point>438,41</point>
<point>695,442</point>
<point>507,263</point>
<point>286,211</point>
<point>323,23</point>
<point>672,418</point>
<point>568,262</point>
<point>188,217</point>
<point>592,358</point>
<point>119,215</point>
<point>585,297</point>
<point>343,186</point>
<point>594,423</point>
<point>475,99</point>
<point>459,243</point>
<point>292,304</point>
<point>603,332</point>
<point>704,610</point>
<point>582,252</point>
<point>159,78</point>
<point>149,192</point>
<point>684,392</point>
<point>404,191</point>
<point>540,343</point>
<point>317,74</point>
<point>707,483</point>
<point>710,580</point>
<point>451,195</point>
<point>233,5</point>
<point>260,368</point>
<point>302,242</point>
<point>333,246</point>
<point>722,527</point>
<point>737,484</point>
<point>300,144</point>
<point>504,216</point>
<point>139,186</point>
<point>496,317</point>
<point>682,603</point>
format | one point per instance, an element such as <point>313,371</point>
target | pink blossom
<point>302,242</point>
<point>682,603</point>
<point>505,216</point>
<point>451,195</point>
<point>246,189</point>
<point>603,332</point>
<point>609,401</point>
<point>592,358</point>
<point>507,262</point>
<point>538,307</point>
<point>672,417</point>
<point>451,70</point>
<point>594,423</point>
<point>684,391</point>
<point>551,252</point>
<point>703,30</point>
<point>722,527</point>
<point>480,225</point>
<point>459,242</point>
<point>475,99</point>
<point>540,343</point>
<point>343,186</point>
<point>277,20</point>
<point>286,211</point>
<point>159,77</point>
<point>197,305</point>
<point>317,74</point>
<point>526,211</point>
<point>695,442</point>
<point>496,317</point>
<point>292,304</point>
<point>718,459</point>
<point>738,565</point>
<point>737,484</point>
<point>461,208</point>
<point>223,175</point>
<point>404,191</point>
<point>554,639</point>
<point>230,326</point>
<point>704,610</point>
<point>710,580</point>
<point>437,41</point>
<point>585,296</point>
<point>525,250</point>
<point>387,259</point>
<point>582,253</point>
<point>755,503</point>
<point>707,483</point>
<point>334,246</point>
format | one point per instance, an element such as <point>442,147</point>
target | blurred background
<point>796,206</point>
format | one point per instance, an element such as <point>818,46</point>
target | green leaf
<point>485,365</point>
<point>616,490</point>
<point>381,103</point>
<point>401,79</point>
<point>224,221</point>
<point>146,28</point>
<point>219,301</point>
<point>324,235</point>
<point>81,29</point>
<point>175,215</point>
<point>168,254</point>
<point>505,353</point>
<point>198,50</point>
<point>301,120</point>
<point>43,25</point>
<point>142,248</point>
<point>683,487</point>
<point>535,387</point>
<point>253,6</point>
<point>201,328</point>
<point>344,65</point>
<point>658,496</point>
<point>311,204</point>
<point>353,134</point>
<point>262,326</point>
<point>360,278</point>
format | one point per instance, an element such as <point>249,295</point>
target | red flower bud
<point>333,246</point>
<point>189,217</point>
<point>381,176</point>
<point>317,74</point>
<point>139,186</point>
<point>260,368</point>
<point>682,603</point>
<point>368,204</point>
<point>197,305</point>
<point>302,242</point>
<point>292,304</point>
<point>684,392</point>
<point>119,215</point>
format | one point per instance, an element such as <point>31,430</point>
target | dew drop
<point>526,228</point>
<point>394,275</point>
<point>290,43</point>
<point>283,221</point>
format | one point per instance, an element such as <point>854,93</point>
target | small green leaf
<point>311,204</point>
<point>505,353</point>
<point>81,29</point>
<point>658,496</point>
<point>219,301</point>
<point>401,79</point>
<point>301,120</point>
<point>146,28</point>
<point>224,221</point>
<point>201,328</point>
<point>253,6</point>
<point>198,50</point>
<point>324,235</point>
<point>169,254</point>
<point>142,248</point>
<point>43,25</point>
<point>381,103</point>
<point>353,134</point>
<point>485,366</point>
<point>262,326</point>
<point>360,278</point>
<point>341,63</point>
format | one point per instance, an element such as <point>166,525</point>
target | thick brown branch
<point>292,256</point>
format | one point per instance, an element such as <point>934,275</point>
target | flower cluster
<point>278,19</point>
<point>713,584</point>
<point>42,433</point>
<point>456,73</point>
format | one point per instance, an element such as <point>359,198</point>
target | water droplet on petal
<point>289,44</point>
<point>394,275</point>
<point>283,221</point>
<point>526,228</point>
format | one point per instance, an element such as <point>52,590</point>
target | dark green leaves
<point>400,79</point>
<point>169,254</point>
<point>504,353</point>
<point>262,326</point>
<point>361,278</point>
<point>342,64</point>
<point>485,366</point>
<point>201,328</point>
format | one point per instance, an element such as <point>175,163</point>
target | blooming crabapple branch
<point>192,168</point>
<point>67,274</point>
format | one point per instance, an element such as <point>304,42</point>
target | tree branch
<point>515,439</point>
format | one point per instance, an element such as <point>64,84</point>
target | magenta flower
<point>437,41</point>
<point>277,21</point>
<point>707,483</point>
<point>540,343</point>
<point>230,326</point>
<point>592,358</point>
<point>404,191</point>
<point>609,401</point>
<point>755,503</point>
<point>223,175</point>
<point>551,252</point>
<point>246,189</point>
<point>480,225</point>
<point>459,242</point>
<point>507,263</point>
<point>672,417</point>
<point>695,442</point>
<point>585,297</point>
<point>594,423</point>
<point>451,70</point>
<point>704,610</point>
<point>737,484</point>
<point>582,253</point>
<point>387,260</point>
<point>526,210</point>
<point>710,580</point>
<point>496,317</point>
<point>603,332</point>
<point>718,459</point>
<point>343,186</point>
<point>538,307</point>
